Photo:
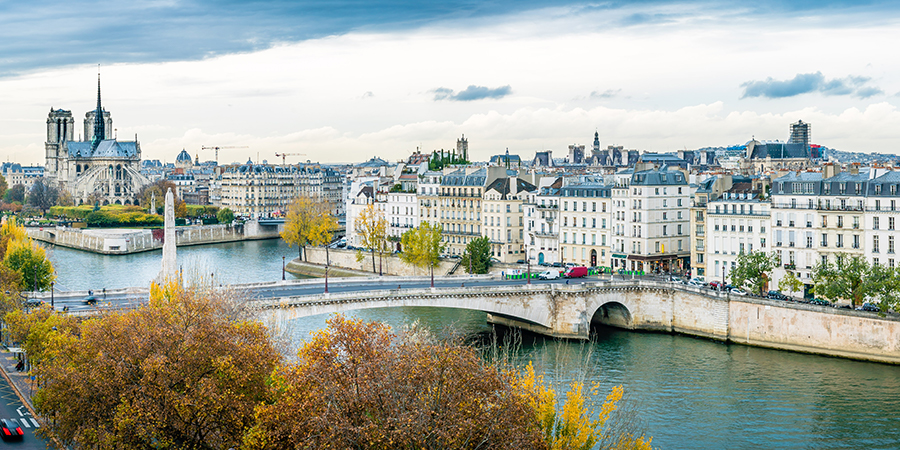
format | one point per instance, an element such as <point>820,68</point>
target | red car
<point>717,285</point>
<point>10,429</point>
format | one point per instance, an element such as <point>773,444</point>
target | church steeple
<point>99,126</point>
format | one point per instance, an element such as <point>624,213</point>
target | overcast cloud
<point>350,80</point>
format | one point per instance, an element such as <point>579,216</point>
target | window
<point>890,244</point>
<point>679,230</point>
<point>875,244</point>
<point>664,231</point>
<point>875,223</point>
<point>840,241</point>
<point>855,241</point>
<point>594,223</point>
<point>890,223</point>
<point>824,240</point>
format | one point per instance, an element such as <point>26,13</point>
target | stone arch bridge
<point>564,311</point>
<point>567,311</point>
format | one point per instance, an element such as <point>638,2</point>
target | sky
<point>343,81</point>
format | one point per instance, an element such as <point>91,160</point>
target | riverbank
<point>121,241</point>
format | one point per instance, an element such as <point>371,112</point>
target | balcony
<point>790,266</point>
<point>791,244</point>
<point>700,233</point>
<point>777,223</point>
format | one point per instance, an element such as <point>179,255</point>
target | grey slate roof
<point>502,185</point>
<point>658,178</point>
<point>459,178</point>
<point>108,148</point>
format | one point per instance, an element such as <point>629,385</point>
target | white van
<point>549,275</point>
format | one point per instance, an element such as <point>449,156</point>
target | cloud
<point>368,94</point>
<point>609,93</point>
<point>805,83</point>
<point>471,93</point>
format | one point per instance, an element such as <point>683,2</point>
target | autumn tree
<point>753,269</point>
<point>22,255</point>
<point>3,186</point>
<point>359,385</point>
<point>372,227</point>
<point>182,372</point>
<point>65,198</point>
<point>308,223</point>
<point>158,191</point>
<point>42,195</point>
<point>575,423</point>
<point>422,247</point>
<point>477,258</point>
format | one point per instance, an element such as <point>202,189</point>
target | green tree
<point>753,268</point>
<point>477,258</point>
<point>182,372</point>
<point>15,194</point>
<point>790,283</point>
<point>225,215</point>
<point>849,278</point>
<point>3,186</point>
<point>308,222</point>
<point>42,195</point>
<point>422,247</point>
<point>371,226</point>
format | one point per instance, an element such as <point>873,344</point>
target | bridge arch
<point>613,314</point>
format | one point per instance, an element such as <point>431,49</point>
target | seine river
<point>690,393</point>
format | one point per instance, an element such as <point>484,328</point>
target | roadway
<point>75,302</point>
<point>12,408</point>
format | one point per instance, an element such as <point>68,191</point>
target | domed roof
<point>183,157</point>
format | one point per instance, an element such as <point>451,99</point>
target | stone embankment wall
<point>123,241</point>
<point>391,265</point>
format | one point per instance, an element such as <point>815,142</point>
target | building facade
<point>504,218</point>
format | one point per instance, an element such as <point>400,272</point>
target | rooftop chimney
<point>513,184</point>
<point>854,169</point>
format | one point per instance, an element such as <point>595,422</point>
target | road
<point>119,300</point>
<point>12,408</point>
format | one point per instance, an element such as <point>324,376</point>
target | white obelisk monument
<point>169,263</point>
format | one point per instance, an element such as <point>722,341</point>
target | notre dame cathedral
<point>100,168</point>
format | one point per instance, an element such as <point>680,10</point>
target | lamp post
<point>282,268</point>
<point>52,300</point>
<point>723,277</point>
<point>528,273</point>
<point>326,277</point>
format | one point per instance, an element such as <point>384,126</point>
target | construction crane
<point>216,148</point>
<point>285,155</point>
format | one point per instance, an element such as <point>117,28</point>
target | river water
<point>690,393</point>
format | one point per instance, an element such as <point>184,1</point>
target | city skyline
<point>347,83</point>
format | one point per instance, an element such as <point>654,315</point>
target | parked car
<point>32,302</point>
<point>556,264</point>
<point>549,275</point>
<point>90,300</point>
<point>696,282</point>
<point>868,307</point>
<point>738,291</point>
<point>676,280</point>
<point>10,429</point>
<point>820,301</point>
<point>521,261</point>
<point>775,295</point>
<point>570,265</point>
<point>576,272</point>
<point>717,285</point>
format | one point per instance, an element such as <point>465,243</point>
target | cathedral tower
<point>60,128</point>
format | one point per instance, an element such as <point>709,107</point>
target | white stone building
<point>503,217</point>
<point>542,222</point>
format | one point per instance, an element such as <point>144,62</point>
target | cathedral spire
<point>99,126</point>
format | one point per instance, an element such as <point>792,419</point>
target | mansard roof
<point>502,186</point>
<point>658,178</point>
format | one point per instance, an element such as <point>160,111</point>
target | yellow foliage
<point>308,223</point>
<point>11,230</point>
<point>166,293</point>
<point>576,425</point>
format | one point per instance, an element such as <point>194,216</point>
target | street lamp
<point>528,274</point>
<point>52,302</point>
<point>282,268</point>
